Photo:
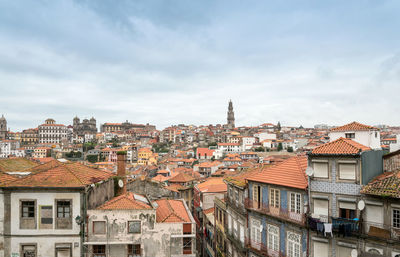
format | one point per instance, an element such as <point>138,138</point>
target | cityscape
<point>208,128</point>
<point>215,190</point>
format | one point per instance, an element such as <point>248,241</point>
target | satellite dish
<point>361,205</point>
<point>354,253</point>
<point>120,183</point>
<point>309,171</point>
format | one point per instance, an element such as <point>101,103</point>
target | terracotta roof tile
<point>181,178</point>
<point>128,201</point>
<point>340,146</point>
<point>385,185</point>
<point>172,211</point>
<point>354,126</point>
<point>290,173</point>
<point>57,174</point>
<point>213,185</point>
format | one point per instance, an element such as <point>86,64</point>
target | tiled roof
<point>203,151</point>
<point>240,179</point>
<point>212,185</point>
<point>159,178</point>
<point>16,164</point>
<point>354,126</point>
<point>172,211</point>
<point>209,164</point>
<point>340,146</point>
<point>181,178</point>
<point>57,174</point>
<point>290,173</point>
<point>5,179</point>
<point>385,185</point>
<point>126,201</point>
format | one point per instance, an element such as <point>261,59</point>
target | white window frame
<point>274,197</point>
<point>318,175</point>
<point>273,237</point>
<point>295,202</point>
<point>293,244</point>
<point>396,220</point>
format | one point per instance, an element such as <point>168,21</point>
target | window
<point>99,250</point>
<point>46,217</point>
<point>347,171</point>
<point>274,198</point>
<point>63,250</point>
<point>187,228</point>
<point>396,218</point>
<point>257,196</point>
<point>273,238</point>
<point>321,207</point>
<point>134,250</point>
<point>295,202</point>
<point>134,226</point>
<point>28,209</point>
<point>350,135</point>
<point>293,240</point>
<point>28,250</point>
<point>63,208</point>
<point>320,169</point>
<point>187,245</point>
<point>99,227</point>
<point>256,233</point>
<point>347,210</point>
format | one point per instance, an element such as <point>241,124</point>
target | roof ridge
<point>70,171</point>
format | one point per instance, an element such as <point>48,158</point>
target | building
<point>52,133</point>
<point>230,116</point>
<point>220,226</point>
<point>203,201</point>
<point>84,127</point>
<point>11,148</point>
<point>30,136</point>
<point>363,134</point>
<point>276,210</point>
<point>339,170</point>
<point>42,212</point>
<point>3,128</point>
<point>206,169</point>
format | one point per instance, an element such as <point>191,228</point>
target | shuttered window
<point>187,228</point>
<point>274,197</point>
<point>373,215</point>
<point>320,169</point>
<point>321,207</point>
<point>320,249</point>
<point>347,171</point>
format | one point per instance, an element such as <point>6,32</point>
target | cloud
<point>180,62</point>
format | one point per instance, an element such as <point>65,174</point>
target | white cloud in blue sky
<point>169,62</point>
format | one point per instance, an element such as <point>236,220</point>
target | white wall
<point>368,138</point>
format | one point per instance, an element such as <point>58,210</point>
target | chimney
<point>121,171</point>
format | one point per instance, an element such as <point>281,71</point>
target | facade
<point>52,133</point>
<point>30,136</point>
<point>276,210</point>
<point>84,127</point>
<point>363,134</point>
<point>220,226</point>
<point>230,116</point>
<point>11,148</point>
<point>340,169</point>
<point>42,211</point>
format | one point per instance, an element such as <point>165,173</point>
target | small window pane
<point>134,227</point>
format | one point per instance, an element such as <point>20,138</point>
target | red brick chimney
<point>121,171</point>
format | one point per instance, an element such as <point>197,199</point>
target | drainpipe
<point>107,230</point>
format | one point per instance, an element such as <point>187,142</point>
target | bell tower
<point>231,116</point>
<point>3,128</point>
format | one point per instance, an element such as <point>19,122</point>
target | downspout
<point>107,230</point>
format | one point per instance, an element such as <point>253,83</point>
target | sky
<point>172,62</point>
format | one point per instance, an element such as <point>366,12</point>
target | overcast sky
<point>169,62</point>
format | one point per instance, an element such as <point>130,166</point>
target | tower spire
<point>231,116</point>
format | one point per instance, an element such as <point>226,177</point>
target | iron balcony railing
<point>262,249</point>
<point>285,214</point>
<point>236,241</point>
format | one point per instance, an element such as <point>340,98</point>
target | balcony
<point>262,249</point>
<point>380,231</point>
<point>341,226</point>
<point>235,241</point>
<point>237,206</point>
<point>280,213</point>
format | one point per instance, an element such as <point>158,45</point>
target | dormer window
<point>350,135</point>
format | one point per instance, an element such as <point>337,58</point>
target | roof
<point>289,173</point>
<point>128,201</point>
<point>204,151</point>
<point>354,126</point>
<point>240,179</point>
<point>160,178</point>
<point>385,185</point>
<point>172,211</point>
<point>58,174</point>
<point>181,178</point>
<point>16,164</point>
<point>341,146</point>
<point>209,164</point>
<point>213,185</point>
<point>5,178</point>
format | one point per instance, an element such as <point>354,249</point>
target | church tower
<point>231,116</point>
<point>3,128</point>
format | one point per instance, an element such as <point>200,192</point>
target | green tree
<point>290,149</point>
<point>280,147</point>
<point>92,158</point>
<point>259,149</point>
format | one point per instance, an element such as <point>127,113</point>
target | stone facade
<point>3,128</point>
<point>84,127</point>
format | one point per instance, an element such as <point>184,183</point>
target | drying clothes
<point>328,228</point>
<point>320,228</point>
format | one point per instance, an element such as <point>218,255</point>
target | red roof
<point>57,174</point>
<point>213,185</point>
<point>340,146</point>
<point>205,151</point>
<point>354,126</point>
<point>172,211</point>
<point>290,173</point>
<point>181,178</point>
<point>128,201</point>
